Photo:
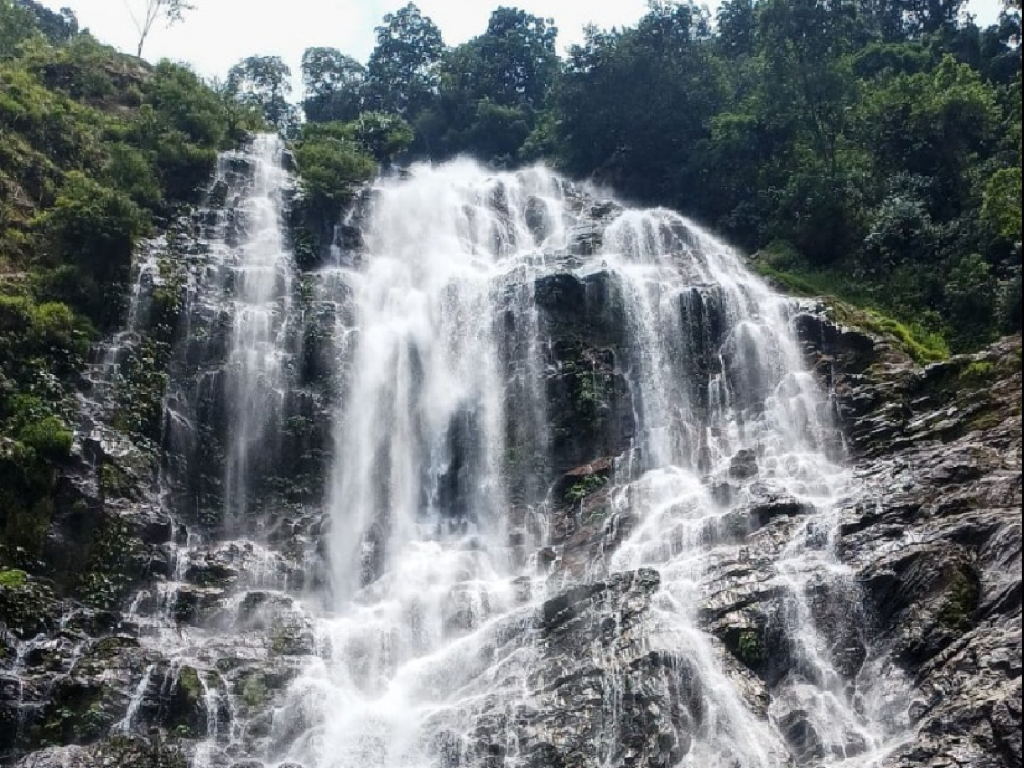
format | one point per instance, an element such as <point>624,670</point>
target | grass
<point>851,305</point>
<point>922,345</point>
<point>13,578</point>
<point>978,371</point>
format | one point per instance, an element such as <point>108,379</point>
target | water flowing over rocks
<point>518,477</point>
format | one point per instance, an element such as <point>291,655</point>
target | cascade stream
<point>573,493</point>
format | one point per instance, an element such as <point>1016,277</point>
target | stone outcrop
<point>936,535</point>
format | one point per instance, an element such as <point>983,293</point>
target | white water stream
<point>424,583</point>
<point>442,460</point>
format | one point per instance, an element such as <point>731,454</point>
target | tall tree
<point>491,90</point>
<point>152,11</point>
<point>634,106</point>
<point>402,71</point>
<point>264,82</point>
<point>334,85</point>
<point>517,54</point>
<point>737,24</point>
<point>57,27</point>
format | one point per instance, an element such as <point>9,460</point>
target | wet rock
<point>585,479</point>
<point>120,751</point>
<point>743,465</point>
<point>936,541</point>
<point>27,606</point>
<point>535,213</point>
<point>186,713</point>
<point>586,239</point>
<point>192,605</point>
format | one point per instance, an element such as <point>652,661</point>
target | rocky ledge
<point>936,538</point>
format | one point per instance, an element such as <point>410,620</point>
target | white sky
<point>221,32</point>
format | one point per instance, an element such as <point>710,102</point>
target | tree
<point>517,54</point>
<point>171,11</point>
<point>381,135</point>
<point>16,26</point>
<point>635,105</point>
<point>331,165</point>
<point>334,85</point>
<point>264,82</point>
<point>933,124</point>
<point>491,90</point>
<point>57,27</point>
<point>401,74</point>
<point>737,24</point>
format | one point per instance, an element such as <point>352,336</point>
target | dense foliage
<point>868,148</point>
<point>96,150</point>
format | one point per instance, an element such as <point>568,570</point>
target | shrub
<point>48,437</point>
<point>95,228</point>
<point>131,170</point>
<point>331,165</point>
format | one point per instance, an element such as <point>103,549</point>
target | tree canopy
<point>869,147</point>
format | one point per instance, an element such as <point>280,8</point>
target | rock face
<point>936,538</point>
<point>186,636</point>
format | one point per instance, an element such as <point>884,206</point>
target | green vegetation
<point>332,164</point>
<point>922,345</point>
<point>13,578</point>
<point>961,601</point>
<point>585,486</point>
<point>254,690</point>
<point>873,148</point>
<point>978,371</point>
<point>97,150</point>
<point>749,648</point>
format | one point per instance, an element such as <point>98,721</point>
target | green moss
<point>190,684</point>
<point>254,690</point>
<point>749,648</point>
<point>584,487</point>
<point>978,371</point>
<point>598,513</point>
<point>923,346</point>
<point>140,394</point>
<point>960,603</point>
<point>13,578</point>
<point>852,305</point>
<point>113,565</point>
<point>114,481</point>
<point>94,722</point>
<point>986,420</point>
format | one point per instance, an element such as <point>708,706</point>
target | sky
<point>219,33</point>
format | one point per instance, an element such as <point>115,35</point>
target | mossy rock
<point>80,713</point>
<point>110,647</point>
<point>922,347</point>
<point>254,691</point>
<point>134,752</point>
<point>186,709</point>
<point>960,602</point>
<point>27,607</point>
<point>749,644</point>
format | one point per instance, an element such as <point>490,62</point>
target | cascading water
<point>259,281</point>
<point>229,381</point>
<point>566,435</point>
<point>722,392</point>
<point>433,628</point>
<point>443,385</point>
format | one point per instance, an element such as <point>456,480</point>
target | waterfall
<point>575,503</point>
<point>258,281</point>
<point>431,627</point>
